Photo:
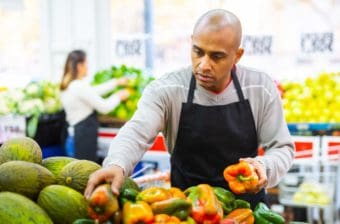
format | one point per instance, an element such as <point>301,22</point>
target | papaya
<point>63,204</point>
<point>76,174</point>
<point>24,178</point>
<point>55,164</point>
<point>18,209</point>
<point>22,148</point>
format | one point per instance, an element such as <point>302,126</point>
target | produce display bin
<point>313,129</point>
<point>50,128</point>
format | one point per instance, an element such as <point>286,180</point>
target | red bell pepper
<point>206,209</point>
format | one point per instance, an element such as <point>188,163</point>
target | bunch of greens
<point>31,101</point>
<point>137,82</point>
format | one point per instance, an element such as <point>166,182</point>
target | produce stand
<point>316,155</point>
<point>48,134</point>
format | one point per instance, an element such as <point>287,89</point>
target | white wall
<point>74,24</point>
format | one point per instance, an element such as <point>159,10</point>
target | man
<point>212,115</point>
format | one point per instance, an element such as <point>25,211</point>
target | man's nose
<point>205,64</point>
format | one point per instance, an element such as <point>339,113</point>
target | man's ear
<point>239,54</point>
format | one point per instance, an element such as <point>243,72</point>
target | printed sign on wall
<point>12,126</point>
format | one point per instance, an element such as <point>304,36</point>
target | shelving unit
<point>317,159</point>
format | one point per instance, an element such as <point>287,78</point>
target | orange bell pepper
<point>166,219</point>
<point>102,203</point>
<point>177,193</point>
<point>139,212</point>
<point>241,177</point>
<point>206,208</point>
<point>242,215</point>
<point>154,194</point>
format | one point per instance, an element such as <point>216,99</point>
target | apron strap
<point>237,85</point>
<point>191,89</point>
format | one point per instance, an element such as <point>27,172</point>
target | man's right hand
<point>112,174</point>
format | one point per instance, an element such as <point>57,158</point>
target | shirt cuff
<point>107,163</point>
<point>262,161</point>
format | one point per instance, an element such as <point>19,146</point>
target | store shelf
<point>313,126</point>
<point>291,203</point>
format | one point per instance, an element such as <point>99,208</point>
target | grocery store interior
<point>295,42</point>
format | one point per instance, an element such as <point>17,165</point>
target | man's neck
<point>225,86</point>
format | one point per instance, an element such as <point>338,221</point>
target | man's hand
<point>260,171</point>
<point>113,174</point>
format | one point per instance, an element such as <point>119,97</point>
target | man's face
<point>213,55</point>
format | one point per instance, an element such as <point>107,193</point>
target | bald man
<point>212,114</point>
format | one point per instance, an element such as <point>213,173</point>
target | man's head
<point>216,48</point>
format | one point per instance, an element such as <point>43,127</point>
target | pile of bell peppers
<point>201,204</point>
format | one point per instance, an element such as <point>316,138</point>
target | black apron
<point>210,138</point>
<point>85,138</point>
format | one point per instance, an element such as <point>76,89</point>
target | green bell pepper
<point>84,221</point>
<point>127,194</point>
<point>226,198</point>
<point>238,203</point>
<point>263,215</point>
<point>178,207</point>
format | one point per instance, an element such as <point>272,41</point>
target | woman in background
<point>81,101</point>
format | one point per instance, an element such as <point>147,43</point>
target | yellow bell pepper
<point>138,212</point>
<point>153,194</point>
<point>177,193</point>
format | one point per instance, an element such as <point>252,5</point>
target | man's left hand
<point>260,171</point>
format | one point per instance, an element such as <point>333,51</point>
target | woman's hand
<point>123,94</point>
<point>122,81</point>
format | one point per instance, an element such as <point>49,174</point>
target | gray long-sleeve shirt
<point>159,111</point>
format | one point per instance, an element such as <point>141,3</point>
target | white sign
<point>12,126</point>
<point>130,50</point>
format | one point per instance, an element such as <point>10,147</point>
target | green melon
<point>76,174</point>
<point>23,148</point>
<point>63,204</point>
<point>17,209</point>
<point>129,183</point>
<point>24,178</point>
<point>56,164</point>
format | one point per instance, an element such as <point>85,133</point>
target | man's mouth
<point>204,78</point>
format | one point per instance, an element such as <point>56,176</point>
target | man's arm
<point>133,140</point>
<point>138,134</point>
<point>274,136</point>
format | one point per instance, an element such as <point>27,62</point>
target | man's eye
<point>198,52</point>
<point>217,56</point>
